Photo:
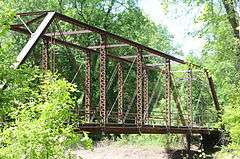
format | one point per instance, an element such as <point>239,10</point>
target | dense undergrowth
<point>37,128</point>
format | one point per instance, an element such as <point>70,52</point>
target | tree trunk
<point>233,18</point>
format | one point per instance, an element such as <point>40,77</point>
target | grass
<point>151,140</point>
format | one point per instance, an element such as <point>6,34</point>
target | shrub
<point>40,129</point>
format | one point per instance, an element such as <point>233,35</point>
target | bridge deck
<point>145,129</point>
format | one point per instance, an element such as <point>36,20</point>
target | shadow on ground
<point>179,154</point>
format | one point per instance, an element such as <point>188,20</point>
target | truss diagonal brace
<point>34,39</point>
<point>120,93</point>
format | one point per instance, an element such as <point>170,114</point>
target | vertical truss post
<point>139,87</point>
<point>52,56</point>
<point>120,94</point>
<point>145,96</point>
<point>102,78</point>
<point>45,54</point>
<point>88,88</point>
<point>168,93</point>
<point>189,102</point>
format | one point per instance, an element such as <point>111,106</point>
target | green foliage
<point>221,56</point>
<point>6,16</point>
<point>231,117</point>
<point>39,129</point>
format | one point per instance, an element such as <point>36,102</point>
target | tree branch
<point>232,16</point>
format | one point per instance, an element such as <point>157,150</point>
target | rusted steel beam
<point>68,44</point>
<point>120,93</point>
<point>168,93</point>
<point>214,95</point>
<point>102,80</point>
<point>88,88</point>
<point>134,56</point>
<point>108,46</point>
<point>68,33</point>
<point>45,55</point>
<point>139,87</point>
<point>34,39</point>
<point>116,37</point>
<point>145,97</point>
<point>145,129</point>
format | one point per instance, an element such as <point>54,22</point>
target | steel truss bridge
<point>160,105</point>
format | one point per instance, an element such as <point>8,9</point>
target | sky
<point>179,21</point>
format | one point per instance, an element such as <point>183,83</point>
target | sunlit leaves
<point>39,129</point>
<point>6,17</point>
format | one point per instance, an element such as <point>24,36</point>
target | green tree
<point>220,21</point>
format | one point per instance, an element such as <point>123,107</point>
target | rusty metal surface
<point>137,119</point>
<point>139,87</point>
<point>108,46</point>
<point>45,55</point>
<point>124,40</point>
<point>102,80</point>
<point>76,46</point>
<point>88,88</point>
<point>145,97</point>
<point>69,33</point>
<point>214,94</point>
<point>168,93</point>
<point>144,129</point>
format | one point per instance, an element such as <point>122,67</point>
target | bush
<point>231,118</point>
<point>39,129</point>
